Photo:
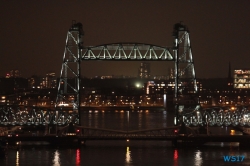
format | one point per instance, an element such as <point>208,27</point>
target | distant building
<point>50,80</point>
<point>160,77</point>
<point>15,73</point>
<point>34,81</point>
<point>12,85</point>
<point>144,70</point>
<point>242,78</point>
<point>171,73</point>
<point>47,82</point>
<point>7,75</point>
<point>156,88</point>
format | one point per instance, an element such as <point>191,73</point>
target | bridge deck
<point>198,138</point>
<point>158,134</point>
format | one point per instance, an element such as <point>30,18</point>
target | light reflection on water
<point>17,158</point>
<point>128,158</point>
<point>175,157</point>
<point>122,153</point>
<point>56,160</point>
<point>198,158</point>
<point>78,157</point>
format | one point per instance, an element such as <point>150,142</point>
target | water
<point>132,153</point>
<point>126,120</point>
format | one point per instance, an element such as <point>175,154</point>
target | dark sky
<point>33,33</point>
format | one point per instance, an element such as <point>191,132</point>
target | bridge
<point>172,134</point>
<point>180,54</point>
<point>185,87</point>
<point>217,116</point>
<point>69,92</point>
<point>69,86</point>
<point>27,116</point>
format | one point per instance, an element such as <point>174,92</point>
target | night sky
<point>33,33</point>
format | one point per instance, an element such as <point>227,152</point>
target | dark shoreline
<point>122,108</point>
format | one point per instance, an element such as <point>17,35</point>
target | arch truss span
<point>127,51</point>
<point>182,76</point>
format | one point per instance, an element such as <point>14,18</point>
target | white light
<point>56,160</point>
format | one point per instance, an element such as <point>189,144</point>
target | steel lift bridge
<point>67,108</point>
<point>69,89</point>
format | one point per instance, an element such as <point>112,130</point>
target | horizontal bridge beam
<point>127,60</point>
<point>127,52</point>
<point>128,46</point>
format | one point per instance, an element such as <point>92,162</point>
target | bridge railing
<point>20,115</point>
<point>217,117</point>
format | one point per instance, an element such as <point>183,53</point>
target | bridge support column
<point>72,62</point>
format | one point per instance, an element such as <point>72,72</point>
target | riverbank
<point>122,107</point>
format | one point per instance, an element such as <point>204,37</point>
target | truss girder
<point>218,117</point>
<point>15,116</point>
<point>66,64</point>
<point>132,51</point>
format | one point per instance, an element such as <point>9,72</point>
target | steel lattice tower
<point>185,79</point>
<point>70,81</point>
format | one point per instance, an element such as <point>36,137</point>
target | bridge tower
<point>185,79</point>
<point>70,77</point>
